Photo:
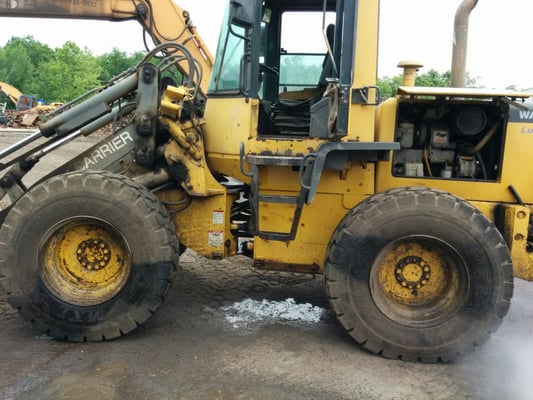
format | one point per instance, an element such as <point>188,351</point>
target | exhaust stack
<point>460,41</point>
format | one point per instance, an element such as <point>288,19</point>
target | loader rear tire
<point>87,256</point>
<point>418,274</point>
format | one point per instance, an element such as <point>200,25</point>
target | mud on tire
<point>418,274</point>
<point>87,255</point>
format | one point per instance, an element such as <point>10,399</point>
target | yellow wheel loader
<point>415,209</point>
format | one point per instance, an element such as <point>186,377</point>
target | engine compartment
<point>450,138</point>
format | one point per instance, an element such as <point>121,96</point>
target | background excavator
<point>416,209</point>
<point>21,101</point>
<point>27,107</point>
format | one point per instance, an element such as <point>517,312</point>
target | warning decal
<point>215,238</point>
<point>218,217</point>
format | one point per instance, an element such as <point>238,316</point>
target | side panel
<point>338,192</point>
<point>229,121</point>
<point>203,225</point>
<point>514,224</point>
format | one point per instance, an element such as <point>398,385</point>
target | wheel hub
<point>84,261</point>
<point>412,272</point>
<point>93,254</point>
<point>416,281</point>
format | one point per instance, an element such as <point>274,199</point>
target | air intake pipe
<point>460,41</point>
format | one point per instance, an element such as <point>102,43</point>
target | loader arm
<point>162,20</point>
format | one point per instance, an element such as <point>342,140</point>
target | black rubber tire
<point>475,261</point>
<point>113,202</point>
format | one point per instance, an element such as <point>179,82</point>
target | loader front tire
<point>87,256</point>
<point>418,274</point>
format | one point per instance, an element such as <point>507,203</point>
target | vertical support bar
<point>514,224</point>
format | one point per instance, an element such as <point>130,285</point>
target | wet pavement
<point>189,349</point>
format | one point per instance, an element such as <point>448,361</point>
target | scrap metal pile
<point>22,119</point>
<point>29,119</point>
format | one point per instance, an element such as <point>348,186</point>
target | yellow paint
<point>514,222</point>
<point>165,20</point>
<point>411,273</point>
<point>229,121</point>
<point>188,149</point>
<point>338,192</point>
<point>361,118</point>
<point>269,253</point>
<point>84,263</point>
<point>204,225</point>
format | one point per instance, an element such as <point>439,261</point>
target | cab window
<point>301,60</point>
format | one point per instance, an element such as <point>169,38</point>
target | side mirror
<point>242,13</point>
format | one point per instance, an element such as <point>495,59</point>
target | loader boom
<point>162,20</point>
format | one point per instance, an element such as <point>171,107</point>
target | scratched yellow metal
<point>515,223</point>
<point>411,273</point>
<point>85,264</point>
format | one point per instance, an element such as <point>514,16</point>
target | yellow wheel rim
<point>418,281</point>
<point>84,262</point>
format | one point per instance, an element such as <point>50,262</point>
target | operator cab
<point>288,58</point>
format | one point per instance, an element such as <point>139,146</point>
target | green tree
<point>20,60</point>
<point>115,62</point>
<point>72,72</point>
<point>58,74</point>
<point>300,71</point>
<point>389,86</point>
<point>433,78</point>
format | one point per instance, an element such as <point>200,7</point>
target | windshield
<point>230,51</point>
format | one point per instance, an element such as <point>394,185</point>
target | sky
<point>499,44</point>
